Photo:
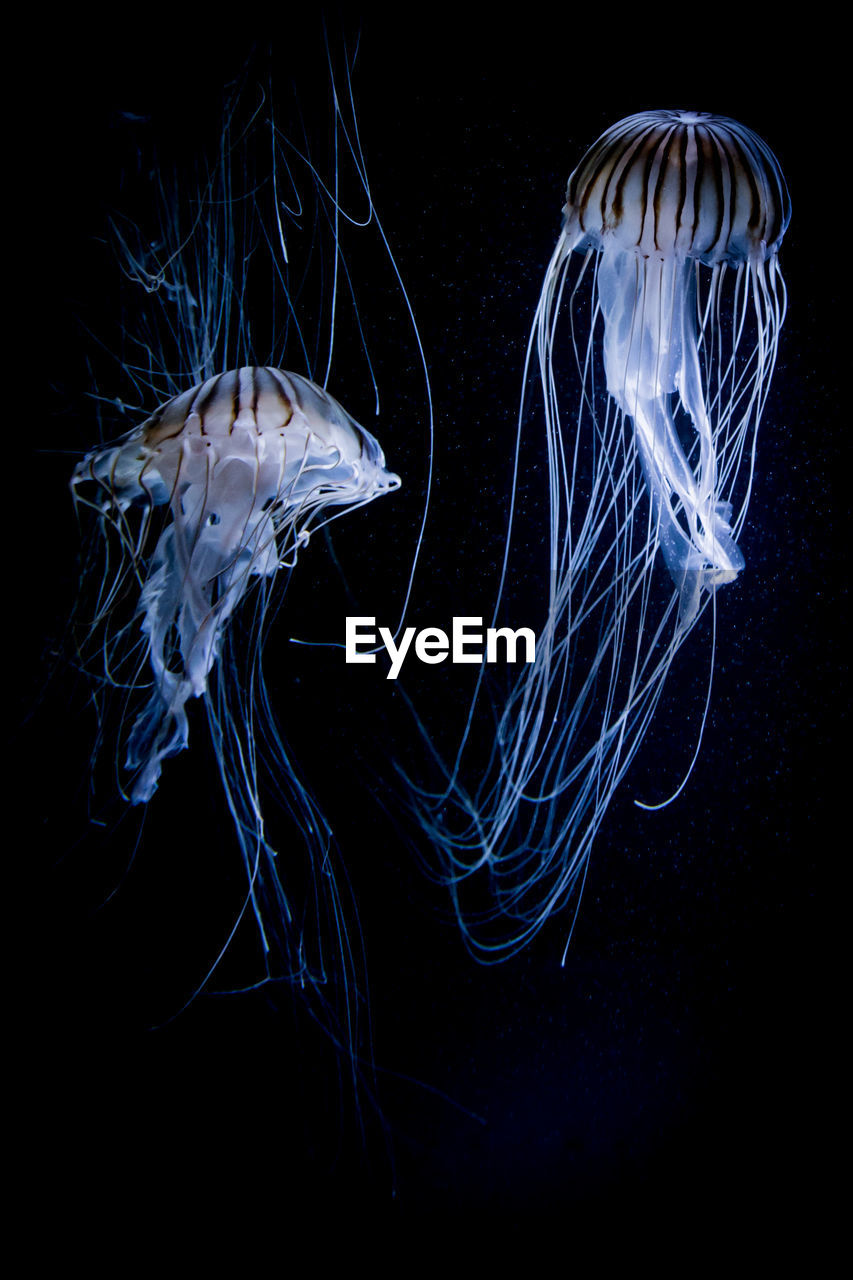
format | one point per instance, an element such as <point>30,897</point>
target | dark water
<point>680,1057</point>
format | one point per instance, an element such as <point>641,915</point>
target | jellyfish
<point>249,464</point>
<point>662,306</point>
<point>236,271</point>
<point>246,467</point>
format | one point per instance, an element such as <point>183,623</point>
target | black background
<point>678,1067</point>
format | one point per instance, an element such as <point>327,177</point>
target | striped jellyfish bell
<point>683,182</point>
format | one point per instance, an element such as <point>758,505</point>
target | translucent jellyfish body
<point>665,295</point>
<point>249,463</point>
<point>659,194</point>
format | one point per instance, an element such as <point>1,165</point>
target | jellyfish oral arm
<point>202,567</point>
<point>651,355</point>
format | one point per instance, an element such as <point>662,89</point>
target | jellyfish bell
<point>683,183</point>
<point>662,303</point>
<point>249,463</point>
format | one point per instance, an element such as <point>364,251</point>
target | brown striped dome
<point>680,182</point>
